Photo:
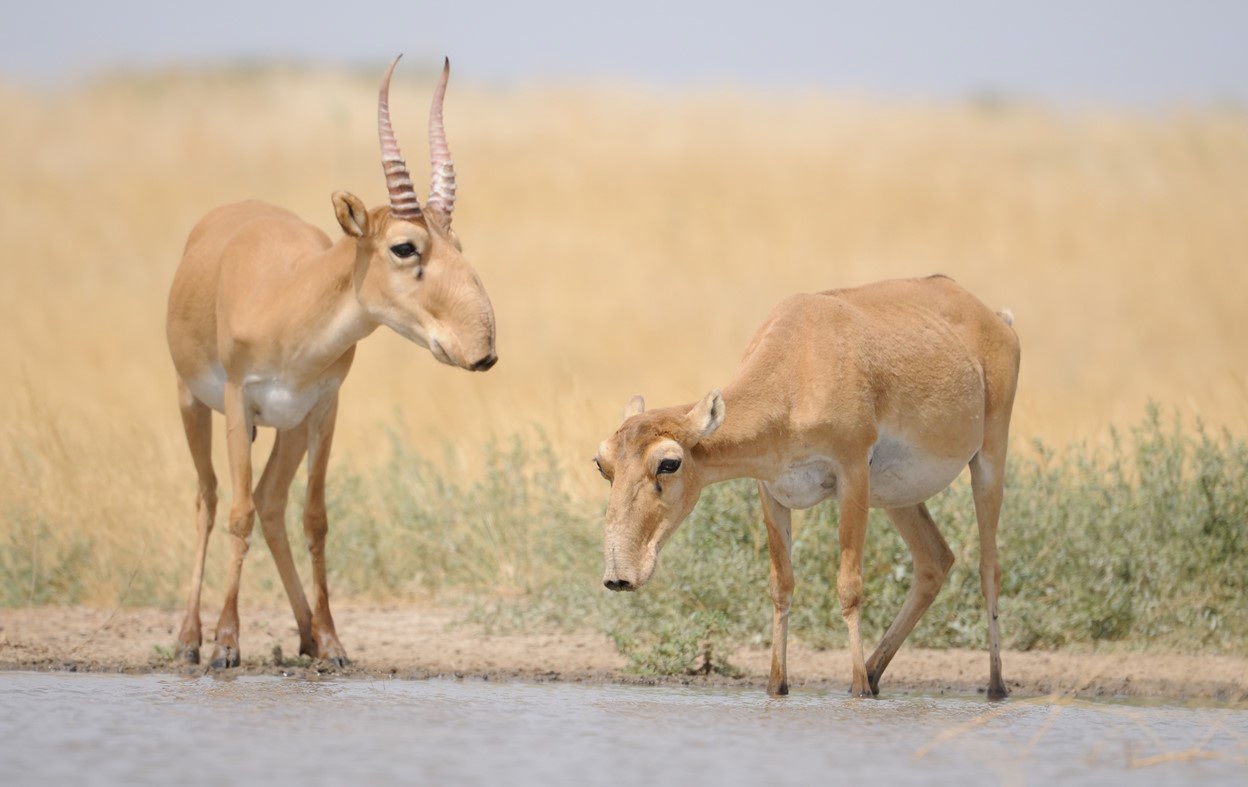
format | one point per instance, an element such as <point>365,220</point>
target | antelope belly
<point>278,404</point>
<point>903,475</point>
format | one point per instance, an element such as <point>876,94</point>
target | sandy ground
<point>421,642</point>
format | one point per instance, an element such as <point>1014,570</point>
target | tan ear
<point>706,416</point>
<point>635,406</point>
<point>351,213</point>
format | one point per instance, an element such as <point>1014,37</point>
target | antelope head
<point>410,272</point>
<point>654,484</point>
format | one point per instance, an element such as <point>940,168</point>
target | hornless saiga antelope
<point>264,314</point>
<point>877,396</point>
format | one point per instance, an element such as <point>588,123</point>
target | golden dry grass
<point>631,243</point>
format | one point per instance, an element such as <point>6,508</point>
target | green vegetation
<point>1144,543</point>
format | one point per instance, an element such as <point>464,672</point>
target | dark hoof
<point>780,691</point>
<point>225,657</point>
<point>998,692</point>
<point>187,655</point>
<point>338,662</point>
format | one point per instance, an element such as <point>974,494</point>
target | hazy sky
<point>1125,52</point>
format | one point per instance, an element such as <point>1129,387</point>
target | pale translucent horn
<point>403,200</point>
<point>442,186</point>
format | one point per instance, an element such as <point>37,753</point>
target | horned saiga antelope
<point>264,314</point>
<point>876,396</point>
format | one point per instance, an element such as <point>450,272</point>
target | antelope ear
<point>706,416</point>
<point>351,213</point>
<point>635,406</point>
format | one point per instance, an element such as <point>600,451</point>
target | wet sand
<point>420,642</point>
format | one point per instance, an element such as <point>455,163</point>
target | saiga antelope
<point>264,314</point>
<point>877,396</point>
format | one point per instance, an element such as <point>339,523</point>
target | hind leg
<point>1000,365</point>
<point>987,486</point>
<point>932,560</point>
<point>197,422</point>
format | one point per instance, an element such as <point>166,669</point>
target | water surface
<point>161,729</point>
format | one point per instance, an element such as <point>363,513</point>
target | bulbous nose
<point>485,363</point>
<point>618,584</point>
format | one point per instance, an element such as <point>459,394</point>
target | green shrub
<point>1143,542</point>
<point>37,566</point>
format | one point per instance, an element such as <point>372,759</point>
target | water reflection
<point>109,729</point>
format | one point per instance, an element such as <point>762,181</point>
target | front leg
<point>780,583</point>
<point>238,426</point>
<point>316,525</point>
<point>853,529</point>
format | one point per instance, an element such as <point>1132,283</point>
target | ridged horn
<point>442,185</point>
<point>403,200</point>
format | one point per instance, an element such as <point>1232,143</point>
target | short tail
<point>1006,315</point>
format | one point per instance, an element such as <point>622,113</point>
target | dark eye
<point>669,466</point>
<point>601,472</point>
<point>403,250</point>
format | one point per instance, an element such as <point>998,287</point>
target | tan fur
<point>264,314</point>
<point>877,396</point>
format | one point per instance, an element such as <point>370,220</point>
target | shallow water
<point>158,729</point>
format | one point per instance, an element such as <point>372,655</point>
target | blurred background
<point>639,184</point>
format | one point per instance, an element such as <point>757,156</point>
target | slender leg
<point>780,584</point>
<point>987,486</point>
<point>316,525</point>
<point>853,531</point>
<point>238,425</point>
<point>932,560</point>
<point>197,421</point>
<point>271,494</point>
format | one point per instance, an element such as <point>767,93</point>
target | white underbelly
<point>901,475</point>
<point>270,401</point>
<point>275,403</point>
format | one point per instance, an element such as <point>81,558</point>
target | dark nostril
<point>618,584</point>
<point>485,363</point>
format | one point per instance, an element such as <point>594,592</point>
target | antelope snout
<point>485,364</point>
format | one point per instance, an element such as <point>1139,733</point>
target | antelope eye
<point>403,250</point>
<point>669,466</point>
<point>598,464</point>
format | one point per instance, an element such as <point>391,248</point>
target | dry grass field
<point>631,242</point>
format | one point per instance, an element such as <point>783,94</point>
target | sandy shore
<point>421,642</point>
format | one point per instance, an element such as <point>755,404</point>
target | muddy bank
<point>417,642</point>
